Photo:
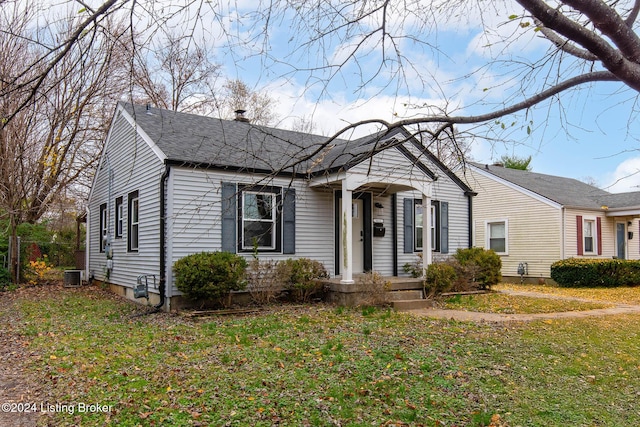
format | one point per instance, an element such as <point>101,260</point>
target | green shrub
<point>210,275</point>
<point>439,278</point>
<point>591,272</point>
<point>480,265</point>
<point>301,277</point>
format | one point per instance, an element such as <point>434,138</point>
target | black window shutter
<point>229,235</point>
<point>408,226</point>
<point>289,221</point>
<point>444,227</point>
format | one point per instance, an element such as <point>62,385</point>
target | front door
<point>357,229</point>
<point>621,240</point>
<point>361,232</point>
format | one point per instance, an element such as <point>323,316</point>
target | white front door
<point>357,231</point>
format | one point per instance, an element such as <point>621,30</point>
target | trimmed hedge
<point>481,265</point>
<point>592,272</point>
<point>210,275</point>
<point>439,278</point>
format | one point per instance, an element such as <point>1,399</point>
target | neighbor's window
<point>133,222</point>
<point>119,217</point>
<point>259,220</point>
<point>589,228</point>
<point>104,227</point>
<point>497,236</point>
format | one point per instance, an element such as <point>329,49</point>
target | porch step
<point>404,295</point>
<point>414,304</point>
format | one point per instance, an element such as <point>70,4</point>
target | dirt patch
<point>21,393</point>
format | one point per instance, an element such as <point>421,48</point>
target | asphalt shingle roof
<point>565,191</point>
<point>192,138</point>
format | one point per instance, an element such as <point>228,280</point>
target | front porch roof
<point>375,182</point>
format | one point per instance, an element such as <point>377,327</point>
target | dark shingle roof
<point>191,138</point>
<point>621,200</point>
<point>235,145</point>
<point>565,191</point>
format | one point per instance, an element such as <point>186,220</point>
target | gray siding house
<point>172,184</point>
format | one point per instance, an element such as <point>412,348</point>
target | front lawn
<point>322,365</point>
<point>516,304</point>
<point>621,295</point>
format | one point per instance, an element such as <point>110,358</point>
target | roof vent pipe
<point>240,117</point>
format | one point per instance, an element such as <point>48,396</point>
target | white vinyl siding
<point>194,216</point>
<point>134,167</point>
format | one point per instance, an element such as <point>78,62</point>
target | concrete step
<point>414,304</point>
<point>405,283</point>
<point>404,295</point>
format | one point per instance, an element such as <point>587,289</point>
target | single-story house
<point>170,184</point>
<point>532,220</point>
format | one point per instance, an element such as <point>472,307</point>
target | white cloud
<point>626,177</point>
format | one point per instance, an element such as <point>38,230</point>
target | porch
<point>404,292</point>
<point>361,205</point>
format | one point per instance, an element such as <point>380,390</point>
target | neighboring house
<point>171,184</point>
<point>537,219</point>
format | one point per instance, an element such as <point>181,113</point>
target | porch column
<point>346,240</point>
<point>426,232</point>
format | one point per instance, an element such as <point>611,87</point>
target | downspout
<point>87,252</point>
<point>470,218</point>
<point>163,214</point>
<point>563,236</point>
<point>394,231</point>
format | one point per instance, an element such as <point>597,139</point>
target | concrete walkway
<point>472,316</point>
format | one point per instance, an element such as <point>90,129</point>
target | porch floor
<point>398,283</point>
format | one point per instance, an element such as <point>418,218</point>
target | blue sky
<point>590,134</point>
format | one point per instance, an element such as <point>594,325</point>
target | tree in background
<point>593,41</point>
<point>258,105</point>
<point>515,162</point>
<point>47,78</point>
<point>175,74</point>
<point>52,143</point>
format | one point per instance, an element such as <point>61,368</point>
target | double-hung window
<point>259,219</point>
<point>588,230</point>
<point>104,226</point>
<point>133,222</point>
<point>434,224</point>
<point>418,226</point>
<point>497,236</point>
<point>119,217</point>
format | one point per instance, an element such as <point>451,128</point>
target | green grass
<point>516,304</point>
<point>322,365</point>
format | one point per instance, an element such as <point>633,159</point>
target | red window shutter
<point>579,228</point>
<point>599,231</point>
